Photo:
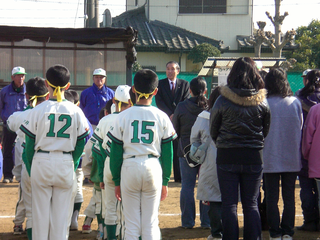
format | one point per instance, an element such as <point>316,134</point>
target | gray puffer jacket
<point>208,185</point>
<point>240,118</point>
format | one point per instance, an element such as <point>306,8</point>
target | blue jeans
<point>187,202</point>
<point>288,184</point>
<point>248,177</point>
<point>309,199</point>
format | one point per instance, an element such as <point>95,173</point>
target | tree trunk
<point>277,52</point>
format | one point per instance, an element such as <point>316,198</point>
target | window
<point>202,6</point>
<point>136,3</point>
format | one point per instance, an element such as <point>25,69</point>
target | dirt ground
<point>169,217</point>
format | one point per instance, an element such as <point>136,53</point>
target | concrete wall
<point>225,27</point>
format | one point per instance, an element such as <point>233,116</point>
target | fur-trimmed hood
<point>244,97</point>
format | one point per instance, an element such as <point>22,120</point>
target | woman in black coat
<point>239,122</point>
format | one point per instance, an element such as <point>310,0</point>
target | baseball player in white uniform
<point>141,159</point>
<point>121,100</point>
<point>55,137</point>
<point>36,93</point>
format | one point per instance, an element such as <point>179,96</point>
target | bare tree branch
<point>270,17</point>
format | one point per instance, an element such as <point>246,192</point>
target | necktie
<point>172,88</point>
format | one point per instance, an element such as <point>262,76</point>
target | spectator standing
<point>95,97</point>
<point>171,91</point>
<point>308,96</point>
<point>281,157</point>
<point>310,151</point>
<point>12,99</point>
<point>239,122</point>
<point>208,185</point>
<point>183,119</point>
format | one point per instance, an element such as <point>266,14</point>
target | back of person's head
<point>106,109</point>
<point>58,75</point>
<point>263,74</point>
<point>214,96</point>
<point>145,82</point>
<point>36,89</point>
<point>198,87</point>
<point>36,86</point>
<point>68,95</point>
<point>313,82</point>
<point>132,97</point>
<point>277,83</point>
<point>75,95</point>
<point>244,74</point>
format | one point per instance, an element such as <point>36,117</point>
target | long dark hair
<point>198,87</point>
<point>214,96</point>
<point>313,78</point>
<point>245,75</point>
<point>277,83</point>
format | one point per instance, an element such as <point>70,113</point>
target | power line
<point>75,18</point>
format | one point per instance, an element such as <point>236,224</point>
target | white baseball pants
<point>26,194</point>
<point>109,196</point>
<point>52,177</point>
<point>20,213</point>
<point>141,185</point>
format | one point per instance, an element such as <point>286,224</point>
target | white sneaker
<point>213,238</point>
<point>287,237</point>
<point>275,238</point>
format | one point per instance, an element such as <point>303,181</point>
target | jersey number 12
<point>61,132</point>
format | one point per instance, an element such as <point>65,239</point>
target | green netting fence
<point>295,81</point>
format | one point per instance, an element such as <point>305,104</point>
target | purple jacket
<point>307,103</point>
<point>311,141</point>
<point>92,100</point>
<point>11,101</point>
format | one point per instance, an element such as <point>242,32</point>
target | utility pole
<point>92,13</point>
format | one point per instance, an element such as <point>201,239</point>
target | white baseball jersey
<point>111,202</point>
<point>100,133</point>
<point>13,123</point>
<point>52,120</point>
<point>142,129</point>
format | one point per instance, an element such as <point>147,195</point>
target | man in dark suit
<point>171,91</point>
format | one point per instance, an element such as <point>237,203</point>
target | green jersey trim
<point>28,107</point>
<point>55,100</point>
<point>10,129</point>
<point>83,135</point>
<point>96,151</point>
<point>114,139</point>
<point>27,132</point>
<point>169,139</point>
<point>139,105</point>
<point>97,137</point>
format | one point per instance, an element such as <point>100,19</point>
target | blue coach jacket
<point>11,101</point>
<point>92,100</point>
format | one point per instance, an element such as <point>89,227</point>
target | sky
<point>70,13</point>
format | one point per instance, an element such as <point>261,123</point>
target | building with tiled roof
<point>159,42</point>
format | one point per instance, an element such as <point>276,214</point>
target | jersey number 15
<point>144,130</point>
